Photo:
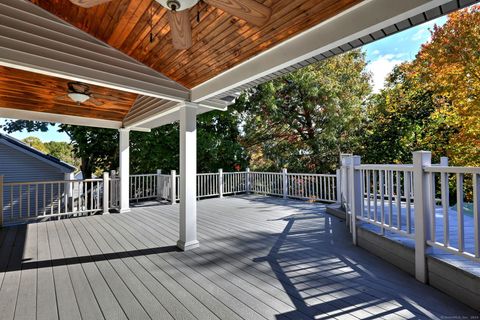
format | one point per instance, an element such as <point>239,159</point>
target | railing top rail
<point>445,169</point>
<point>390,167</point>
<point>49,182</point>
<point>311,174</point>
<point>208,174</point>
<point>258,172</point>
<point>143,174</point>
<point>235,172</point>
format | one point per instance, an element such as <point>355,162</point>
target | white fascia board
<point>59,118</point>
<point>214,104</point>
<point>150,116</point>
<point>360,20</point>
<point>173,116</point>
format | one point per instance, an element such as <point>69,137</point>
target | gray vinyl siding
<point>22,202</point>
<point>17,166</point>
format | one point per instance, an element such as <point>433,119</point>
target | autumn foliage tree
<point>449,67</point>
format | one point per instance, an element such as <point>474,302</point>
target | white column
<point>285,182</point>
<point>188,177</point>
<point>421,203</point>
<point>356,195</point>
<point>220,183</point>
<point>173,187</point>
<point>106,193</point>
<point>124,171</point>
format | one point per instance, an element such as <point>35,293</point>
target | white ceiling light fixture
<point>78,97</point>
<point>177,5</point>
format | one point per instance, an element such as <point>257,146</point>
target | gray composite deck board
<point>259,258</point>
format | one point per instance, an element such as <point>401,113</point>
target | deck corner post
<point>173,187</point>
<point>124,170</point>
<point>68,188</point>
<point>188,177</point>
<point>220,183</point>
<point>106,193</point>
<point>356,194</point>
<point>285,182</point>
<point>159,181</point>
<point>247,180</point>
<point>421,159</point>
<point>338,185</point>
<point>1,201</point>
<point>113,189</point>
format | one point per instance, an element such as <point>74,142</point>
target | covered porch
<point>261,257</point>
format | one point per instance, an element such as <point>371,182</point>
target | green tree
<point>36,143</point>
<point>304,120</point>
<point>63,151</point>
<point>218,145</point>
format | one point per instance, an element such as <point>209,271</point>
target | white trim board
<point>65,119</point>
<point>360,20</point>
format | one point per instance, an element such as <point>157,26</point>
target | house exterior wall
<point>20,202</point>
<point>17,166</point>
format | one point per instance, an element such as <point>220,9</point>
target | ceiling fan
<point>179,15</point>
<point>80,93</point>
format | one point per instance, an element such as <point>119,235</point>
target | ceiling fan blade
<point>63,97</point>
<point>95,102</point>
<point>181,29</point>
<point>248,10</point>
<point>88,3</point>
<point>106,97</point>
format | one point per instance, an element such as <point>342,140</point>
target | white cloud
<point>423,33</point>
<point>381,67</point>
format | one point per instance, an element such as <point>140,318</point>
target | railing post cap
<point>422,152</point>
<point>284,170</point>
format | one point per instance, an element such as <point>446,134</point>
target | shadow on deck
<point>260,257</point>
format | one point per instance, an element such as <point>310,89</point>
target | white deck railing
<point>415,201</point>
<point>315,187</point>
<point>24,201</point>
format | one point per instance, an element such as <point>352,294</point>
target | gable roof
<point>22,146</point>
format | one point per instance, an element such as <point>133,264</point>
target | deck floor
<point>260,257</point>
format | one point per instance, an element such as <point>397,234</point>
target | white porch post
<point>422,207</point>
<point>188,177</point>
<point>124,171</point>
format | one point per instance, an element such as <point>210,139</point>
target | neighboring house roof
<point>23,147</point>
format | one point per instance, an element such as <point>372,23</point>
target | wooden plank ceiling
<point>35,92</point>
<point>220,41</point>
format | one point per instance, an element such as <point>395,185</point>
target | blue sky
<point>382,56</point>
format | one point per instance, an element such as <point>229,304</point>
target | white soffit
<point>361,20</point>
<point>148,112</point>
<point>35,40</point>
